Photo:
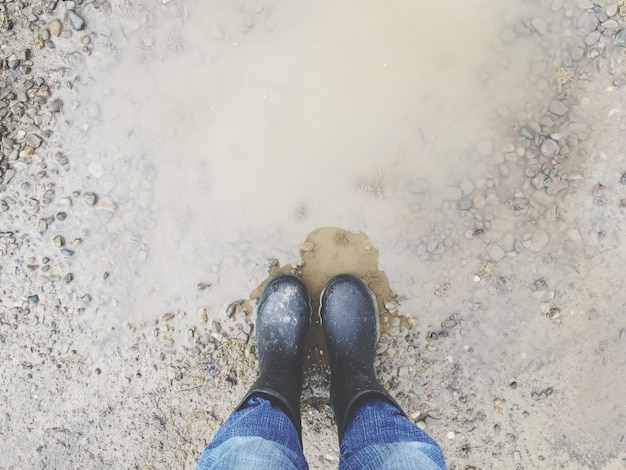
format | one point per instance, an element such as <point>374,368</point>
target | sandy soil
<point>159,160</point>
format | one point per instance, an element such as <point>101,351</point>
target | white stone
<point>540,25</point>
<point>558,108</point>
<point>105,204</point>
<point>611,10</point>
<point>479,201</point>
<point>557,187</point>
<point>493,200</point>
<point>495,252</point>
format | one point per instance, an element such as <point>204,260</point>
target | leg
<point>373,430</point>
<point>265,429</point>
<point>380,437</point>
<point>259,436</point>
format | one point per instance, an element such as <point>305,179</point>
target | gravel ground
<point>158,160</point>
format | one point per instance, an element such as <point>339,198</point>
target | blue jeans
<point>261,436</point>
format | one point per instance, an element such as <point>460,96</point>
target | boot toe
<point>283,314</point>
<point>349,312</point>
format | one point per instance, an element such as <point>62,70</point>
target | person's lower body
<point>379,436</point>
<point>258,436</point>
<point>265,430</point>
<point>261,436</point>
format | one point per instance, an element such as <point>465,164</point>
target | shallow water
<point>226,133</point>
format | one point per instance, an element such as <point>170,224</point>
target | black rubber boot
<point>283,318</point>
<point>350,320</point>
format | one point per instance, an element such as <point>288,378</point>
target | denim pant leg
<point>380,437</point>
<point>259,436</point>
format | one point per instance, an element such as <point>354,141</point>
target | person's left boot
<point>283,318</point>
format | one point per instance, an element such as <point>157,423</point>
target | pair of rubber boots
<point>349,318</point>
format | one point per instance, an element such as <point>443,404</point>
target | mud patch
<point>329,251</point>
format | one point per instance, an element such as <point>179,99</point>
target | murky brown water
<point>329,251</point>
<point>227,133</point>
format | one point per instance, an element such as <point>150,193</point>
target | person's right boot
<point>350,321</point>
<point>283,318</point>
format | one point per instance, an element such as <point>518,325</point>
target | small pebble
<point>479,201</point>
<point>61,159</point>
<point>558,108</point>
<point>598,190</point>
<point>90,199</point>
<point>549,148</point>
<point>593,53</point>
<point>8,175</point>
<point>495,252</point>
<point>33,140</point>
<point>465,204</point>
<point>13,61</point>
<point>75,20</point>
<point>592,37</point>
<point>620,39</point>
<point>56,106</point>
<point>540,25</point>
<point>55,27</point>
<point>492,199</point>
<point>576,53</point>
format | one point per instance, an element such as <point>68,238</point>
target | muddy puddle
<point>223,134</point>
<point>326,252</point>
